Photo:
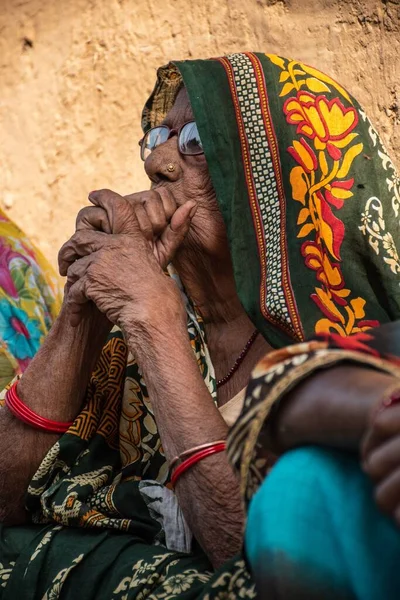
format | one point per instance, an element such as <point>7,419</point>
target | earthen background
<point>74,75</point>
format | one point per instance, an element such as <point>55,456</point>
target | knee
<point>302,489</point>
<point>298,474</point>
<point>289,526</point>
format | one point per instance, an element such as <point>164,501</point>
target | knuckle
<point>64,253</point>
<point>78,237</point>
<point>133,203</point>
<point>61,252</point>
<point>153,199</point>
<point>81,216</point>
<point>71,272</point>
<point>92,247</point>
<point>71,298</point>
<point>105,196</point>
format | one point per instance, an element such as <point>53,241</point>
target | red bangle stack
<point>195,458</point>
<point>26,415</point>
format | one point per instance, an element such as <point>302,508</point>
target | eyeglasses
<point>189,142</point>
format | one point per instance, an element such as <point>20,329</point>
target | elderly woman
<point>275,202</point>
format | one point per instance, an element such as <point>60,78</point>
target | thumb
<point>176,231</point>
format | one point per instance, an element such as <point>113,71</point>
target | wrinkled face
<point>190,180</point>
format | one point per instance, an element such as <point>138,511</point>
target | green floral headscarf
<point>309,195</point>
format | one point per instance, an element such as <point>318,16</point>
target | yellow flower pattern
<point>321,182</point>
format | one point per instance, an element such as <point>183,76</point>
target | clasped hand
<point>380,451</point>
<point>119,250</point>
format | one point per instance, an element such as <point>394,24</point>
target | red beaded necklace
<point>238,361</point>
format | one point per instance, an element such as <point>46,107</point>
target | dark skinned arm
<point>53,386</point>
<point>331,408</point>
<point>186,417</point>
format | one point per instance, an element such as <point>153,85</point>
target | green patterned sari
<point>311,204</point>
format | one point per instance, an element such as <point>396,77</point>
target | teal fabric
<point>314,531</point>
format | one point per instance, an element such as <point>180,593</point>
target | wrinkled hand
<point>381,458</point>
<point>122,271</point>
<point>158,216</point>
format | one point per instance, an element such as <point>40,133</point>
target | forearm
<point>55,382</point>
<point>186,417</point>
<point>329,408</point>
<point>53,386</point>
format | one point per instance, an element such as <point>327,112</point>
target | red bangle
<point>195,458</point>
<point>25,414</point>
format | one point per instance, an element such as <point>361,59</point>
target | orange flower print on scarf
<point>327,122</point>
<point>321,182</point>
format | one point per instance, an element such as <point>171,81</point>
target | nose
<point>164,163</point>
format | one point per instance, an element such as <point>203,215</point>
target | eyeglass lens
<point>189,139</point>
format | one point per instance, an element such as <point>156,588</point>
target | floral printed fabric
<point>325,177</point>
<point>312,210</point>
<point>102,507</point>
<point>30,300</point>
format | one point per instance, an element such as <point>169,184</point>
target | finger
<point>167,199</point>
<point>78,269</point>
<point>183,216</point>
<point>384,459</point>
<point>93,217</point>
<point>387,493</point>
<point>385,425</point>
<point>174,234</point>
<point>80,244</point>
<point>77,301</point>
<point>119,211</point>
<point>387,421</point>
<point>370,441</point>
<point>145,224</point>
<point>67,287</point>
<point>156,214</point>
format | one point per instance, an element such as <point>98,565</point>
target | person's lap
<point>314,531</point>
<point>50,561</point>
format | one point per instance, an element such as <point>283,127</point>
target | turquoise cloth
<point>315,532</point>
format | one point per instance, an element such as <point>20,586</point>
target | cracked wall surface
<point>74,76</point>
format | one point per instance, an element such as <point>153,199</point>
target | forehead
<point>181,112</point>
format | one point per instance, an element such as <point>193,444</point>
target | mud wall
<point>74,75</point>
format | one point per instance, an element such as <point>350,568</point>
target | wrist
<point>55,381</point>
<point>162,317</point>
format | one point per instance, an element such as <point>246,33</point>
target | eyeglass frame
<point>172,131</point>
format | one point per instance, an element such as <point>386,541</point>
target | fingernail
<point>93,192</point>
<point>193,211</point>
